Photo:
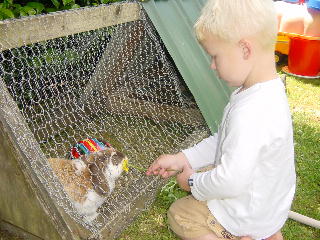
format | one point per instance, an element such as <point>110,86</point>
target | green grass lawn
<point>304,99</point>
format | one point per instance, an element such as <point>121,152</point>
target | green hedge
<point>20,8</point>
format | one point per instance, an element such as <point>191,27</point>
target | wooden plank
<point>20,32</point>
<point>54,121</point>
<point>121,50</point>
<point>158,112</point>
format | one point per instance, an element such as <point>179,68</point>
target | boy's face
<point>231,61</point>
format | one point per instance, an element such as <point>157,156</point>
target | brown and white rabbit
<point>89,179</point>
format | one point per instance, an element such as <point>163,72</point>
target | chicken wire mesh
<point>116,84</point>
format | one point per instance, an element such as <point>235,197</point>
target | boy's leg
<point>206,237</point>
<point>191,219</point>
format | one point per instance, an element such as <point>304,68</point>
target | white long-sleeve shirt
<point>252,187</point>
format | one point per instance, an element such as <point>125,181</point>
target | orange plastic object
<point>282,45</point>
<point>304,55</point>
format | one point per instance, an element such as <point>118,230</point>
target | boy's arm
<point>241,147</point>
<point>195,157</point>
<point>203,153</point>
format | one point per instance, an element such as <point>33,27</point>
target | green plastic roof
<point>174,20</point>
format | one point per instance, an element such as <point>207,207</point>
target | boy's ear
<point>246,48</point>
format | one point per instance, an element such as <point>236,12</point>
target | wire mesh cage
<point>101,75</point>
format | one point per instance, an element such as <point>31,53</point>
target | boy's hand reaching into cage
<point>168,165</point>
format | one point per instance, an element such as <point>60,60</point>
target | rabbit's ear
<point>93,168</point>
<point>97,166</point>
<point>98,179</point>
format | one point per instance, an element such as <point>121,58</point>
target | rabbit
<point>89,179</point>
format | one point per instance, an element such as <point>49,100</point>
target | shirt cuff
<point>195,187</point>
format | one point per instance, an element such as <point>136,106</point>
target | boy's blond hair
<point>233,20</point>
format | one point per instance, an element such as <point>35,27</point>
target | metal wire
<point>117,84</point>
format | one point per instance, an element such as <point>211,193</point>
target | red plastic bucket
<point>304,55</point>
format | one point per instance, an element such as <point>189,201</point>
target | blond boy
<point>250,190</point>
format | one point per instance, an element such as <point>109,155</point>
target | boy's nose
<point>213,65</point>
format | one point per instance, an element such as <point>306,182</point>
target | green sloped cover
<point>174,20</point>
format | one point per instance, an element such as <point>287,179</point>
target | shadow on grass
<point>314,81</point>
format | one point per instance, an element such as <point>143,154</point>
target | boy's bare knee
<point>276,236</point>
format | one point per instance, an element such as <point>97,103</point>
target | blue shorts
<point>314,4</point>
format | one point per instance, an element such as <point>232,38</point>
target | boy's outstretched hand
<point>168,165</point>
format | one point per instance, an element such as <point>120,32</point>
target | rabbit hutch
<point>120,73</point>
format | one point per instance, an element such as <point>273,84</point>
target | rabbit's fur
<point>89,179</point>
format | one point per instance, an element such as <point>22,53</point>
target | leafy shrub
<point>21,8</point>
<point>171,192</point>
